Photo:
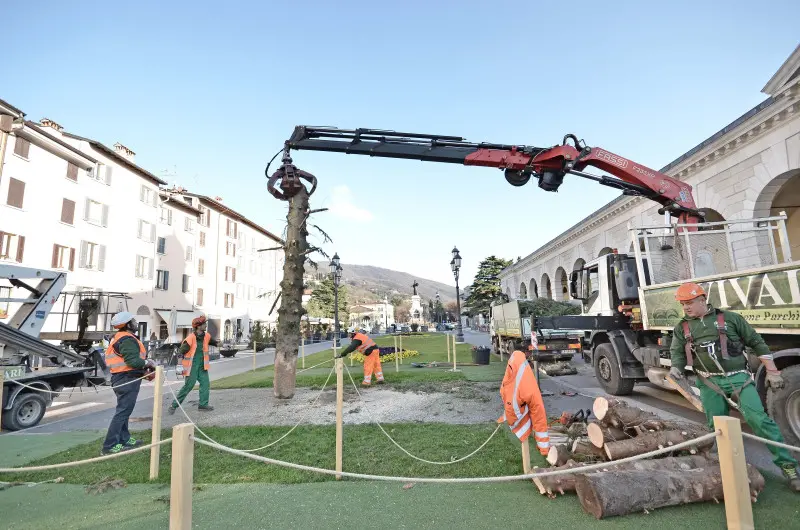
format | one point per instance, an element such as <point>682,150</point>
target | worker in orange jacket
<point>522,400</point>
<point>360,341</point>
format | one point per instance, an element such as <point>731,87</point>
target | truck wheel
<point>27,411</point>
<point>607,371</point>
<point>784,405</point>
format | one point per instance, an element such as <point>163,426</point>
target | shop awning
<point>184,319</point>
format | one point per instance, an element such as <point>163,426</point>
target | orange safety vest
<point>191,340</point>
<point>115,361</point>
<point>366,342</point>
<point>522,400</point>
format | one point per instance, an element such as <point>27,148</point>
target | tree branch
<point>271,248</point>
<point>324,234</point>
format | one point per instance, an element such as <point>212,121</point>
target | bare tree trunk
<point>291,310</point>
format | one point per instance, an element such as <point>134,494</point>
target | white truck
<point>510,329</point>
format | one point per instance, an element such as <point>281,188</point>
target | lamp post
<point>336,272</point>
<point>455,264</point>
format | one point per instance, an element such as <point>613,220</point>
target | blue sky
<point>209,91</point>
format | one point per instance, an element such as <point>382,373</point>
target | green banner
<point>769,300</point>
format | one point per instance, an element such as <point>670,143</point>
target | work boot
<point>114,450</point>
<point>381,381</point>
<point>131,443</point>
<point>790,472</point>
<point>171,410</point>
<point>205,407</point>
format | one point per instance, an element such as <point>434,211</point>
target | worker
<point>372,355</point>
<point>126,359</point>
<point>522,400</point>
<point>195,367</point>
<point>712,342</point>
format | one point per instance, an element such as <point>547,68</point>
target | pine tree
<point>321,302</point>
<point>486,286</point>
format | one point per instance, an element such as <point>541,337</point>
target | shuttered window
<point>16,193</point>
<point>185,283</point>
<point>63,257</point>
<point>12,246</point>
<point>72,171</point>
<point>68,211</point>
<point>22,147</point>
<point>92,256</point>
<point>199,297</point>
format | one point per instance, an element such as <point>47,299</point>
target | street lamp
<point>336,272</point>
<point>455,264</point>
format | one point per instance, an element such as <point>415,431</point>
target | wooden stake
<point>255,350</point>
<point>155,451</point>
<point>339,405</point>
<point>180,493</point>
<point>454,355</point>
<point>401,347</point>
<point>303,351</point>
<point>447,341</point>
<point>396,355</point>
<point>526,457</point>
<point>733,469</point>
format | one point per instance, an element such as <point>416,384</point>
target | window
<point>162,245</point>
<point>232,229</point>
<point>72,171</point>
<point>16,192</point>
<point>239,290</point>
<point>242,241</point>
<point>251,293</point>
<point>252,267</point>
<point>21,147</point>
<point>68,212</point>
<point>199,297</point>
<point>12,246</point>
<point>148,196</point>
<point>63,257</point>
<point>103,173</point>
<point>230,274</point>
<point>228,300</point>
<point>205,216</point>
<point>189,253</point>
<point>95,212</point>
<point>201,266</point>
<point>240,262</point>
<point>166,216</point>
<point>188,224</point>
<point>93,256</point>
<point>147,231</point>
<point>230,249</point>
<point>202,239</point>
<point>162,280</point>
<point>186,280</point>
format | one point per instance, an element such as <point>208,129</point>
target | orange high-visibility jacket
<point>114,361</point>
<point>522,400</point>
<point>366,342</point>
<point>191,340</point>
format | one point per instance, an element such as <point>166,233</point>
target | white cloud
<point>343,205</point>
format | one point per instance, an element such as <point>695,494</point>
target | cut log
<point>563,483</point>
<point>652,441</point>
<point>617,413</point>
<point>602,405</point>
<point>558,455</point>
<point>599,435</point>
<point>613,493</point>
<point>582,446</point>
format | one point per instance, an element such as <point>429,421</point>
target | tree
<point>452,311</point>
<point>438,311</point>
<point>403,312</point>
<point>486,286</point>
<point>321,302</point>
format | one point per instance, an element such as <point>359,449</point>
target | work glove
<point>340,356</point>
<point>775,380</point>
<point>676,372</point>
<point>150,363</point>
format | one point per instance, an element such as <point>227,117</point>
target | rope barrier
<point>771,442</point>
<point>309,410</point>
<point>401,447</point>
<point>505,478</point>
<point>310,367</point>
<point>81,462</point>
<point>97,388</point>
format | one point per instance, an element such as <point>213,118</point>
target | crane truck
<point>627,313</point>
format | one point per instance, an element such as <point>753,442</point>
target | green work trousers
<point>197,373</point>
<point>751,408</point>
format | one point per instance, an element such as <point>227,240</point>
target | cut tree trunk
<point>617,413</point>
<point>291,310</point>
<point>566,482</point>
<point>558,455</point>
<point>582,446</point>
<point>613,493</point>
<point>599,434</point>
<point>652,441</point>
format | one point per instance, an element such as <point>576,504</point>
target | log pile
<point>619,431</point>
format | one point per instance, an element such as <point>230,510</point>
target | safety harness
<point>710,347</point>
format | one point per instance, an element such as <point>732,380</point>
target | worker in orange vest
<point>126,359</point>
<point>195,367</point>
<point>522,400</point>
<point>372,356</point>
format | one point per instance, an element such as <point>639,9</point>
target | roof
<point>178,203</point>
<point>121,159</point>
<point>60,142</point>
<point>233,213</point>
<point>11,107</point>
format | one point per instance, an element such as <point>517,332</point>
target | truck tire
<point>784,405</point>
<point>26,412</point>
<point>606,370</point>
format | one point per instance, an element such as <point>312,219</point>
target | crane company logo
<point>644,171</point>
<point>684,195</point>
<point>611,158</point>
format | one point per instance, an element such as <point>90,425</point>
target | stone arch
<point>579,264</point>
<point>523,291</point>
<point>533,289</point>
<point>143,311</point>
<point>561,287</point>
<point>713,216</point>
<point>782,194</point>
<point>547,292</point>
<point>604,251</point>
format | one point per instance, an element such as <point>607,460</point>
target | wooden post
<point>454,352</point>
<point>255,350</point>
<point>155,451</point>
<point>180,493</point>
<point>303,351</point>
<point>401,347</point>
<point>339,405</point>
<point>396,355</point>
<point>733,468</point>
<point>526,457</point>
<point>447,342</point>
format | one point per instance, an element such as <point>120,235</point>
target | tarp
<point>184,317</point>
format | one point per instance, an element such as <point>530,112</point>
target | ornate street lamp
<point>336,273</point>
<point>455,264</point>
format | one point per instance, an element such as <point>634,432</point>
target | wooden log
<point>558,455</point>
<point>613,493</point>
<point>617,413</point>
<point>564,483</point>
<point>652,441</point>
<point>582,446</point>
<point>599,434</point>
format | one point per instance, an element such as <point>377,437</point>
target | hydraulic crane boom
<point>520,162</point>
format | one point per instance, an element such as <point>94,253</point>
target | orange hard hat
<point>688,291</point>
<point>199,321</point>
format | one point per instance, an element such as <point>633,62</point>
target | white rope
<point>506,478</point>
<point>97,388</point>
<point>310,367</point>
<point>308,411</point>
<point>81,462</point>
<point>473,453</point>
<point>771,442</point>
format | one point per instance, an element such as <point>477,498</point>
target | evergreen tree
<point>486,286</point>
<point>321,302</point>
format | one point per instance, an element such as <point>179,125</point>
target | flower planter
<point>228,353</point>
<point>480,355</point>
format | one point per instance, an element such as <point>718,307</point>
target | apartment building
<point>71,203</point>
<point>379,315</point>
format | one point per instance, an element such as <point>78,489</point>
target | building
<point>71,203</point>
<point>748,169</point>
<point>370,316</point>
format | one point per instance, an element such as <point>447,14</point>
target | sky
<point>206,93</point>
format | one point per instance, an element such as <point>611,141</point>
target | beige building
<point>370,316</point>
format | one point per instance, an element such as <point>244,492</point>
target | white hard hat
<point>351,330</point>
<point>120,319</point>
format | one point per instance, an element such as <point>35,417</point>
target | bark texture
<point>652,441</point>
<point>582,446</point>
